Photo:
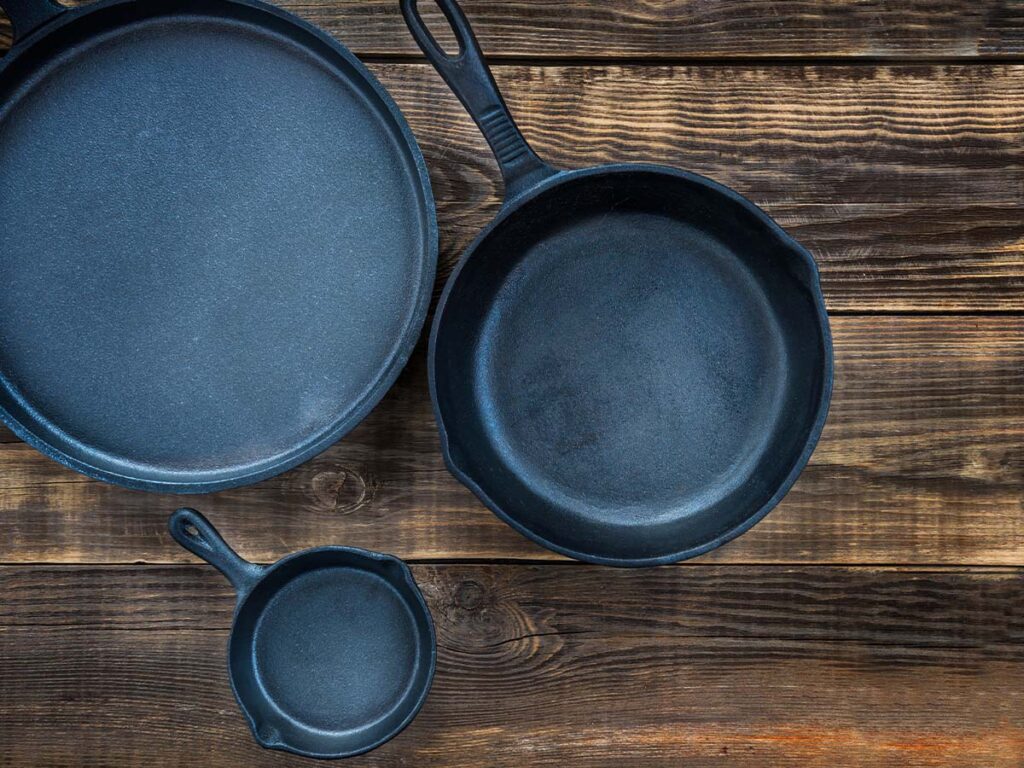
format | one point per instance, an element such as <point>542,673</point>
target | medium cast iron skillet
<point>631,364</point>
<point>332,650</point>
<point>217,240</point>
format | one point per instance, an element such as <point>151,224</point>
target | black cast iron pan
<point>631,364</point>
<point>217,239</point>
<point>332,650</point>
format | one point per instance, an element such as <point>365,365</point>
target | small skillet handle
<point>471,80</point>
<point>27,15</point>
<point>195,533</point>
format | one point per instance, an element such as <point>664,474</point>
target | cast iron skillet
<point>631,364</point>
<point>332,649</point>
<point>217,240</point>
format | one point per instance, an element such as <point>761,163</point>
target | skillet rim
<point>391,367</point>
<point>813,285</point>
<point>366,554</point>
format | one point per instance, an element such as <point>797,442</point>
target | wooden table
<point>876,618</point>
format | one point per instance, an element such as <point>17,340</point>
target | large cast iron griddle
<point>217,240</point>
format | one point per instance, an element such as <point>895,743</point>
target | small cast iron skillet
<point>632,364</point>
<point>332,650</point>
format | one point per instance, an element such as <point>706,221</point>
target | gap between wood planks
<point>882,565</point>
<point>715,61</point>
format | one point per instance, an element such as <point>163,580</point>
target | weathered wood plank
<point>547,665</point>
<point>922,461</point>
<point>957,607</point>
<point>99,698</point>
<point>906,182</point>
<point>690,28</point>
<point>874,257</point>
<point>783,134</point>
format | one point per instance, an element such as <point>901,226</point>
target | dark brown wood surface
<point>921,462</point>
<point>554,665</point>
<point>876,618</point>
<point>691,28</point>
<point>905,181</point>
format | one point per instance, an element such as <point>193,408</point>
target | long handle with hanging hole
<point>471,80</point>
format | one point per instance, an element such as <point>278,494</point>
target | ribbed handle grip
<point>471,80</point>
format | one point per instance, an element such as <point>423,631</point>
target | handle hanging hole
<point>191,531</point>
<point>438,28</point>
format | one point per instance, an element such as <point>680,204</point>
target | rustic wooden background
<point>875,619</point>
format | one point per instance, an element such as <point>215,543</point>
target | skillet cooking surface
<point>336,648</point>
<point>611,370</point>
<point>213,240</point>
<point>331,657</point>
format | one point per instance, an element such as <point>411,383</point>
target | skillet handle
<point>471,80</point>
<point>196,534</point>
<point>27,15</point>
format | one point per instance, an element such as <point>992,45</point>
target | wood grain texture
<point>922,461</point>
<point>906,182</point>
<point>547,665</point>
<point>808,134</point>
<point>690,28</point>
